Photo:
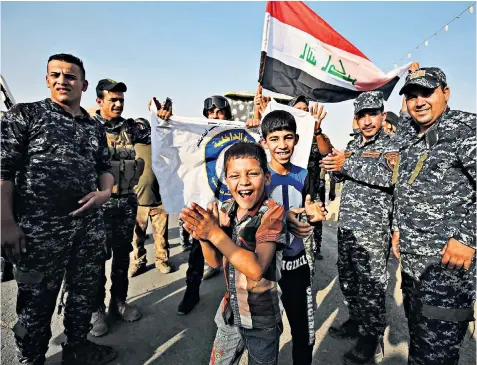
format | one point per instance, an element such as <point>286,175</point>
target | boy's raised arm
<point>253,265</point>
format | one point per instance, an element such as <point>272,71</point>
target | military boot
<point>87,353</point>
<point>346,331</point>
<point>99,323</point>
<point>137,270</point>
<point>191,298</point>
<point>163,267</point>
<point>39,360</point>
<point>210,273</point>
<point>368,350</point>
<point>123,310</point>
<point>6,270</point>
<point>318,255</point>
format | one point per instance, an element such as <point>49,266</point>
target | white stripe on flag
<point>320,60</point>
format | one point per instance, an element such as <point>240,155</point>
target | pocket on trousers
<point>27,277</point>
<point>448,314</point>
<point>262,344</point>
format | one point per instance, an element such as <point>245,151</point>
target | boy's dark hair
<point>65,57</point>
<point>278,120</point>
<point>244,150</point>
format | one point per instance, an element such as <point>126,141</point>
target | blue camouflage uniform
<point>54,159</point>
<point>434,201</point>
<point>364,225</point>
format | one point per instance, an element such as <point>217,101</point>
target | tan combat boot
<point>163,267</point>
<point>123,310</point>
<point>98,320</point>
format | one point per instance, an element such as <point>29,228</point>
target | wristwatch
<point>318,132</point>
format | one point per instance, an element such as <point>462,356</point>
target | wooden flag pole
<point>256,114</point>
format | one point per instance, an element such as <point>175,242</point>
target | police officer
<point>215,107</point>
<point>364,227</point>
<point>55,174</point>
<point>390,123</point>
<point>150,206</point>
<point>435,228</point>
<point>120,211</point>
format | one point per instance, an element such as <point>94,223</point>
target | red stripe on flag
<point>300,16</point>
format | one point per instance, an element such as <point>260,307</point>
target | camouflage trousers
<point>159,221</point>
<point>362,262</point>
<point>439,305</point>
<point>317,237</point>
<point>58,247</point>
<point>119,219</point>
<point>183,234</point>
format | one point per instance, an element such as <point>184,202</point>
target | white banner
<point>187,154</point>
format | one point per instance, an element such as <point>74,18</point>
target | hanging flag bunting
<point>445,27</point>
<point>303,55</point>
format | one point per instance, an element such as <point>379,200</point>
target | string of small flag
<point>470,8</point>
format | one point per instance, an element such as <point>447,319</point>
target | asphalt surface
<point>162,337</point>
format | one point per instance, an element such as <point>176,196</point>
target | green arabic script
<point>340,72</point>
<point>310,57</point>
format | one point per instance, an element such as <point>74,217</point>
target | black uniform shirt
<point>53,158</point>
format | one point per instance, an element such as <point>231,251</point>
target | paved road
<point>163,338</point>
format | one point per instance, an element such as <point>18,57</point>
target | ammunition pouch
<point>126,170</point>
<point>133,170</point>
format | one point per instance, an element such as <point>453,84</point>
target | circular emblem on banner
<point>214,159</point>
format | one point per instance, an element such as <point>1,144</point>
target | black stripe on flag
<point>281,78</point>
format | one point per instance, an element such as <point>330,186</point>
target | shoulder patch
<point>458,118</point>
<point>391,159</point>
<point>371,154</point>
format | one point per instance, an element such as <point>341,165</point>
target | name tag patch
<point>371,154</point>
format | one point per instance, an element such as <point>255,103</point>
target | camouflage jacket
<point>366,198</point>
<point>53,158</point>
<point>435,189</point>
<point>138,133</point>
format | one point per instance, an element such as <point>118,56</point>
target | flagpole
<point>256,111</point>
<point>263,56</point>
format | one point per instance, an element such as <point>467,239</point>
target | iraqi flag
<point>304,55</point>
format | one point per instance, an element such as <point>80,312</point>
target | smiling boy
<point>246,237</point>
<point>292,186</point>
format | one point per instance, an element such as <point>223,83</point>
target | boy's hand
<point>319,115</point>
<point>457,255</point>
<point>261,102</point>
<point>315,212</point>
<point>297,228</point>
<point>202,224</point>
<point>214,209</point>
<point>395,245</point>
<point>334,161</point>
<point>252,123</point>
